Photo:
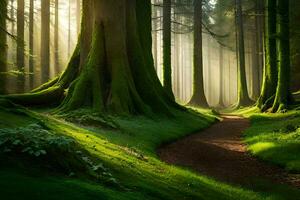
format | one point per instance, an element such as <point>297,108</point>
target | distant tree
<point>3,46</point>
<point>221,86</point>
<point>56,36</point>
<point>45,40</point>
<point>20,45</point>
<point>31,43</point>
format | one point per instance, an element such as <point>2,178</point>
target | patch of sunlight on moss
<point>261,147</point>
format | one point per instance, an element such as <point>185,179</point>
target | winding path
<point>220,153</point>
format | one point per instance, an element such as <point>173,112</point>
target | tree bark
<point>270,76</point>
<point>198,98</point>
<point>45,40</point>
<point>243,95</point>
<point>167,69</point>
<point>56,37</point>
<point>118,75</point>
<point>20,45</point>
<point>3,46</point>
<point>31,44</point>
<point>283,94</point>
<point>221,86</point>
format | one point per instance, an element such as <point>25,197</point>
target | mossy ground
<point>276,138</point>
<point>128,153</point>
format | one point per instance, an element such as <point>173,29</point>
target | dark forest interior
<point>140,99</point>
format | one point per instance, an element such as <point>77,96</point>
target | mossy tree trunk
<point>198,98</point>
<point>167,68</point>
<point>270,70</point>
<point>243,95</point>
<point>283,95</point>
<point>3,46</point>
<point>112,68</point>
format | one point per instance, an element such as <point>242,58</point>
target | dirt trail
<point>220,153</point>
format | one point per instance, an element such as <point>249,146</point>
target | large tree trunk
<point>117,74</point>
<point>198,98</point>
<point>31,43</point>
<point>243,95</point>
<point>270,71</point>
<point>167,69</point>
<point>283,95</point>
<point>3,46</point>
<point>45,40</point>
<point>20,45</point>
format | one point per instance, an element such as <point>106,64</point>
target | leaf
<point>26,149</point>
<point>37,153</point>
<point>17,142</point>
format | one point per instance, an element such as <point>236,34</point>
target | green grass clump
<point>276,138</point>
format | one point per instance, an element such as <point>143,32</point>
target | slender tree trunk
<point>78,15</point>
<point>283,95</point>
<point>154,33</point>
<point>31,44</point>
<point>45,40</point>
<point>56,37</point>
<point>255,67</point>
<point>167,69</point>
<point>20,45</point>
<point>221,78</point>
<point>270,70</point>
<point>198,98</point>
<point>3,46</point>
<point>209,70</point>
<point>243,95</point>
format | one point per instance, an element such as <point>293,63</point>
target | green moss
<point>276,138</point>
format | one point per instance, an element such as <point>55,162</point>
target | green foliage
<point>44,146</point>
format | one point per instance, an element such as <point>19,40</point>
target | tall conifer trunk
<point>243,95</point>
<point>270,70</point>
<point>3,46</point>
<point>167,69</point>
<point>31,43</point>
<point>45,40</point>
<point>283,95</point>
<point>20,45</point>
<point>198,98</point>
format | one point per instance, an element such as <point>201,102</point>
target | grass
<point>276,138</point>
<point>129,154</point>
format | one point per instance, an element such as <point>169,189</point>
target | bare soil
<point>219,152</point>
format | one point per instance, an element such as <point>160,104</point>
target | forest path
<point>219,152</point>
